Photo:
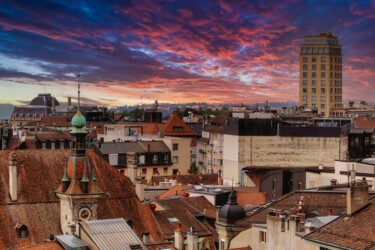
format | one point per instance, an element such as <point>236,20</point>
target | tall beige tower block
<point>320,77</point>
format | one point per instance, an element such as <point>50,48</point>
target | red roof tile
<point>176,121</point>
<point>314,201</point>
<point>39,174</point>
<point>178,189</point>
<point>364,122</point>
<point>355,232</point>
<point>194,179</point>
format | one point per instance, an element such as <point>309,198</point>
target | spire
<point>78,121</point>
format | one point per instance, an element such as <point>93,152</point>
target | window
<point>175,159</point>
<point>175,171</point>
<point>313,98</point>
<point>144,170</point>
<point>323,82</point>
<point>166,157</point>
<point>304,74</point>
<point>322,90</point>
<point>165,170</point>
<point>62,145</point>
<point>313,105</point>
<point>323,59</point>
<point>305,59</point>
<point>304,90</point>
<point>177,128</point>
<point>175,146</point>
<point>222,243</point>
<point>323,66</point>
<point>155,158</point>
<point>262,237</point>
<point>323,74</point>
<point>313,82</point>
<point>304,97</point>
<point>155,171</point>
<point>323,106</point>
<point>141,159</point>
<point>221,162</point>
<point>314,59</point>
<point>304,67</point>
<point>313,74</point>
<point>5,132</point>
<point>304,82</point>
<point>44,145</point>
<point>313,67</point>
<point>52,145</point>
<point>70,144</point>
<point>313,90</point>
<point>173,219</point>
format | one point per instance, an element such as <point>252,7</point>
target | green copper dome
<point>78,121</point>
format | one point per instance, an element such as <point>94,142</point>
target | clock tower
<point>78,192</point>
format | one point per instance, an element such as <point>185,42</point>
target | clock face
<point>85,213</point>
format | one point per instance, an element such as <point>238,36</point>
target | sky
<point>134,52</point>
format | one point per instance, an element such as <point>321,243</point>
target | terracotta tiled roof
<point>176,121</point>
<point>364,122</point>
<point>195,179</point>
<point>59,136</point>
<point>252,198</point>
<point>355,232</point>
<point>53,245</point>
<point>186,218</point>
<point>148,128</point>
<point>39,173</point>
<point>197,206</point>
<point>319,201</point>
<point>58,121</point>
<point>178,189</point>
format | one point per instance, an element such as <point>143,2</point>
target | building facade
<point>321,73</point>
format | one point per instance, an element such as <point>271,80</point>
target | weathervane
<point>79,91</point>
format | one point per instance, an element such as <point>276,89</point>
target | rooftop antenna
<point>79,90</point>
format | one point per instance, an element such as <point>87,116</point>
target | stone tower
<point>78,192</point>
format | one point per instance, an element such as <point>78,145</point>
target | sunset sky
<point>177,51</point>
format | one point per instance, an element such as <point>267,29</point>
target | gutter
<point>327,244</point>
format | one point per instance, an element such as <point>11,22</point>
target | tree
<point>193,168</point>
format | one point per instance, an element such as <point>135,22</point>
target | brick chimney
<point>356,196</point>
<point>13,177</point>
<point>178,238</point>
<point>192,239</point>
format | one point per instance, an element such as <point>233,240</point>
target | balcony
<point>201,151</point>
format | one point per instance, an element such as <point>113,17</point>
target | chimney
<point>333,182</point>
<point>13,177</point>
<point>330,211</point>
<point>352,174</point>
<point>53,104</point>
<point>132,164</point>
<point>301,210</point>
<point>153,208</point>
<point>192,239</point>
<point>69,101</point>
<point>146,238</point>
<point>356,196</point>
<point>219,181</point>
<point>140,188</point>
<point>178,239</point>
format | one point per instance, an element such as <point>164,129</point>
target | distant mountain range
<point>6,111</point>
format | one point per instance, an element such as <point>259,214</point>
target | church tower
<point>78,192</point>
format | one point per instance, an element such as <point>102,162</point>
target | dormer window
<point>177,128</point>
<point>21,230</point>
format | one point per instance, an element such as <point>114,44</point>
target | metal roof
<point>112,234</point>
<point>71,241</point>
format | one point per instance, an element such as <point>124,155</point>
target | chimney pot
<point>330,211</point>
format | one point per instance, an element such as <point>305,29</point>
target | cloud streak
<point>181,51</point>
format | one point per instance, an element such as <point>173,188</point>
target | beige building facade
<point>279,151</point>
<point>321,73</point>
